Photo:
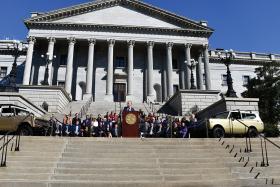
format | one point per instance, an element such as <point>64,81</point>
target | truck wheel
<point>252,133</point>
<point>218,132</point>
<point>25,130</point>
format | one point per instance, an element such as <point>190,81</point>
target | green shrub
<point>271,130</point>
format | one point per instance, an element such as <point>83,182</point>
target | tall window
<point>3,72</point>
<point>175,64</point>
<point>120,62</point>
<point>224,80</point>
<point>246,79</point>
<point>63,60</point>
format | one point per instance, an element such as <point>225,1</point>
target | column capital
<point>31,39</point>
<point>92,41</point>
<point>131,43</point>
<point>151,43</point>
<point>169,44</point>
<point>111,41</point>
<point>188,45</point>
<point>71,40</point>
<point>51,39</point>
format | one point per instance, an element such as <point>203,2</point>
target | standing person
<point>116,131</point>
<point>129,107</point>
<point>94,125</point>
<point>76,122</point>
<point>64,124</point>
<point>69,124</point>
<point>52,125</point>
<point>85,126</point>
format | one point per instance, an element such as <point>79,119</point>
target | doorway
<point>119,92</point>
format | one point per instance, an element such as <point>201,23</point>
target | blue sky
<point>242,25</point>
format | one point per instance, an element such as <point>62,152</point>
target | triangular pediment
<point>125,13</point>
<point>117,15</point>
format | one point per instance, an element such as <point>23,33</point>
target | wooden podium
<point>130,124</point>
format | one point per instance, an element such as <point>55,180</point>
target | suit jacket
<point>126,109</point>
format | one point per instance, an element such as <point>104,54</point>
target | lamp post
<point>17,48</point>
<point>227,59</point>
<point>192,65</point>
<point>46,75</point>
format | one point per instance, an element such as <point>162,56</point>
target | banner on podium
<point>130,124</point>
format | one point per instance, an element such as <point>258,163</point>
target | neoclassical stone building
<point>118,50</point>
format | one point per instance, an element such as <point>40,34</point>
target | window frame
<point>1,71</point>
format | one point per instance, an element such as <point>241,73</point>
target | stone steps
<point>71,162</point>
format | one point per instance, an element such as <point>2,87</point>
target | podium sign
<point>130,124</point>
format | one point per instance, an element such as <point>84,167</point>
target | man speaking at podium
<point>130,121</point>
<point>128,108</point>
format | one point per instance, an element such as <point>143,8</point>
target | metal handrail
<point>265,161</point>
<point>5,145</point>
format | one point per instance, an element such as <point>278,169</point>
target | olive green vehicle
<point>17,119</point>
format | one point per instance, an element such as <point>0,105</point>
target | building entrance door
<point>119,92</point>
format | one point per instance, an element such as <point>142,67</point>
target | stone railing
<point>85,108</point>
<point>246,55</point>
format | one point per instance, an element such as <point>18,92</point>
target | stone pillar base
<point>109,98</point>
<point>86,97</point>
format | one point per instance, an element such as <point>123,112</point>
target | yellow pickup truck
<point>14,118</point>
<point>235,123</point>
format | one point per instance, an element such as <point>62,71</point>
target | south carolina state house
<point>119,50</point>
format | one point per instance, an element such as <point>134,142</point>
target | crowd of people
<point>109,125</point>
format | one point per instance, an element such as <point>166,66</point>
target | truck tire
<point>25,130</point>
<point>252,132</point>
<point>218,132</point>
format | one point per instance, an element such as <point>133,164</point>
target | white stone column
<point>169,69</point>
<point>69,67</point>
<point>110,69</point>
<point>188,61</point>
<point>131,44</point>
<point>199,75</point>
<point>90,66</point>
<point>28,62</point>
<point>50,52</point>
<point>150,67</point>
<point>207,67</point>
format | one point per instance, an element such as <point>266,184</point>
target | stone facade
<point>141,55</point>
<point>55,97</point>
<point>186,101</point>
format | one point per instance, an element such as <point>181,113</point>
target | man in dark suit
<point>128,108</point>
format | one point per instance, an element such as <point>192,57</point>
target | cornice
<point>117,28</point>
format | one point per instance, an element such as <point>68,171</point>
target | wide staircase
<point>73,162</point>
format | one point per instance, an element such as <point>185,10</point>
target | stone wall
<point>186,101</point>
<point>19,100</point>
<point>228,104</point>
<point>54,96</point>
